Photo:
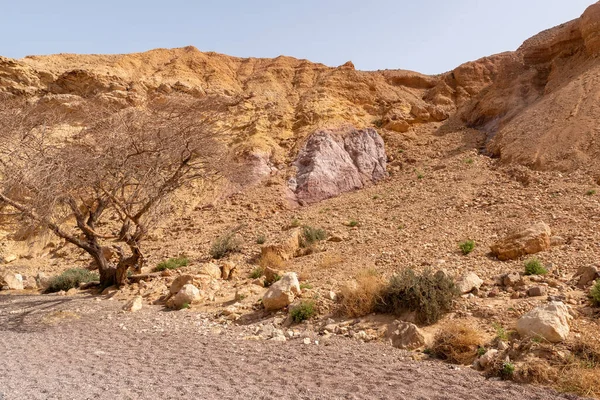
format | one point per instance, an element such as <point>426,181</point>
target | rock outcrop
<point>526,240</point>
<point>337,161</point>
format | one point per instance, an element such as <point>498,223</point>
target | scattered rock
<point>180,282</point>
<point>405,335</point>
<point>282,293</point>
<point>468,283</point>
<point>487,359</point>
<point>30,283</point>
<point>550,321</point>
<point>512,279</point>
<point>13,281</point>
<point>286,248</point>
<point>43,280</point>
<point>210,269</point>
<point>536,291</point>
<point>187,295</point>
<point>528,240</point>
<point>228,270</point>
<point>586,275</point>
<point>134,304</point>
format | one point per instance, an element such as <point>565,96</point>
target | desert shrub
<point>467,246</point>
<point>353,223</point>
<point>295,223</point>
<point>306,286</point>
<point>310,236</point>
<point>590,192</point>
<point>360,297</point>
<point>580,380</point>
<point>268,282</point>
<point>507,371</point>
<point>457,343</point>
<point>184,306</point>
<point>172,263</point>
<point>535,267</point>
<point>257,272</point>
<point>226,244</point>
<point>501,333</point>
<point>270,259</point>
<point>71,278</point>
<point>429,295</point>
<point>261,239</point>
<point>303,311</point>
<point>330,260</point>
<point>595,293</point>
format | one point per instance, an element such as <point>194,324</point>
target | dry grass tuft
<point>360,297</point>
<point>330,260</point>
<point>580,380</point>
<point>457,344</point>
<point>270,259</point>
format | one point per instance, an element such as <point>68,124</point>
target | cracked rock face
<point>336,161</point>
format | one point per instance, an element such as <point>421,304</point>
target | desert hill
<point>499,145</point>
<point>550,79</point>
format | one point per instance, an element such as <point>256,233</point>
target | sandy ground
<point>56,347</point>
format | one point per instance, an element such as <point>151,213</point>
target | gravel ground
<point>77,348</point>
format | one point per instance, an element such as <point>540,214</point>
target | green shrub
<point>467,246</point>
<point>185,306</point>
<point>226,244</point>
<point>353,223</point>
<point>429,295</point>
<point>303,311</point>
<point>261,239</point>
<point>257,272</point>
<point>595,293</point>
<point>469,161</point>
<point>172,263</point>
<point>507,371</point>
<point>590,192</point>
<point>295,223</point>
<point>500,331</point>
<point>311,235</point>
<point>535,267</point>
<point>71,278</point>
<point>306,286</point>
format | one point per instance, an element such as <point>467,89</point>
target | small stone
<point>469,282</point>
<point>405,335</point>
<point>512,279</point>
<point>488,357</point>
<point>134,304</point>
<point>536,291</point>
<point>306,340</point>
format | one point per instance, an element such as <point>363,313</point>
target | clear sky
<point>429,36</point>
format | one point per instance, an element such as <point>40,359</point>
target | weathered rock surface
<point>180,282</point>
<point>333,162</point>
<point>134,304</point>
<point>550,321</point>
<point>586,275</point>
<point>13,281</point>
<point>468,282</point>
<point>526,240</point>
<point>282,293</point>
<point>187,295</point>
<point>211,269</point>
<point>512,279</point>
<point>286,248</point>
<point>405,335</point>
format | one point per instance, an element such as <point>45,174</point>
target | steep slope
<point>541,109</point>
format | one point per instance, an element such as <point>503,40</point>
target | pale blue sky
<point>429,36</point>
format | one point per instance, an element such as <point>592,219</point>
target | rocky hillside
<point>536,105</point>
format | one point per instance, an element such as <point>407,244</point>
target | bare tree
<point>103,180</point>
